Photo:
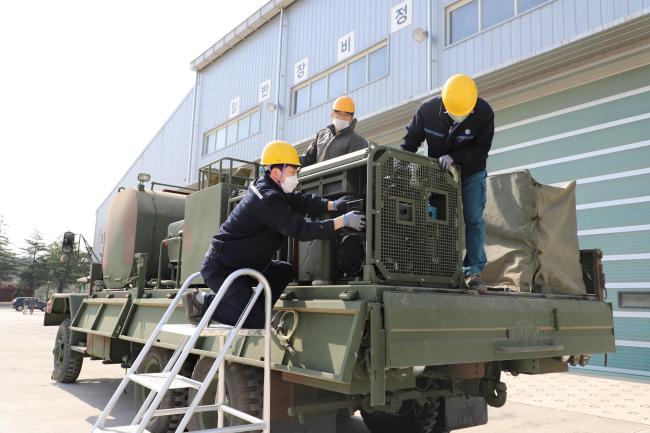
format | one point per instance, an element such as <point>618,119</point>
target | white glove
<point>446,161</point>
<point>355,220</point>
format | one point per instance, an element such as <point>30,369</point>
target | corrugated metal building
<point>569,81</point>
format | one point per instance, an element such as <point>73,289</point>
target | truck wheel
<point>19,308</point>
<point>67,362</point>
<point>244,391</point>
<point>411,418</point>
<point>155,362</point>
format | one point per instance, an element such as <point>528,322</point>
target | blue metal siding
<point>541,29</point>
<point>313,29</point>
<point>238,73</point>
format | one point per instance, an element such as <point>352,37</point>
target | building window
<point>233,131</point>
<point>463,21</point>
<point>231,134</point>
<point>255,122</point>
<point>345,77</point>
<point>378,64</point>
<point>301,99</point>
<point>496,11</point>
<point>524,5</point>
<point>243,129</point>
<point>319,91</point>
<point>468,17</point>
<point>208,143</point>
<point>221,138</point>
<point>357,74</point>
<point>336,83</point>
<point>634,299</point>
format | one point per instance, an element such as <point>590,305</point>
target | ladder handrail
<point>266,406</point>
<point>187,345</point>
<point>138,360</point>
<point>205,320</point>
<point>165,318</point>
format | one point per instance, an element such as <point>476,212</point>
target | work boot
<point>474,282</point>
<point>193,308</point>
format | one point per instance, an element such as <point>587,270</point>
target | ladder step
<point>234,429</point>
<point>216,329</point>
<point>120,429</point>
<point>182,410</point>
<point>155,381</point>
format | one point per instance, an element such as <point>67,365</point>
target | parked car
<point>23,302</point>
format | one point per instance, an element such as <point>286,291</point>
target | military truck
<point>376,321</point>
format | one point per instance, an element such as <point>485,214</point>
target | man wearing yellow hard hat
<point>458,127</point>
<point>338,138</point>
<point>256,229</point>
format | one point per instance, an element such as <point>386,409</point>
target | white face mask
<point>289,184</point>
<point>458,119</point>
<point>340,124</point>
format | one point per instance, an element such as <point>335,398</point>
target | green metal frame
<point>378,155</point>
<point>376,330</point>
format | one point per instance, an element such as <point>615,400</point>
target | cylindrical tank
<point>137,223</point>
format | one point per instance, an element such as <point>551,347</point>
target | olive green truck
<point>377,321</point>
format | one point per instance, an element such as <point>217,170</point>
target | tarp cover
<point>531,236</point>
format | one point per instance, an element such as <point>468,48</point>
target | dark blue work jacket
<point>468,142</point>
<point>256,228</point>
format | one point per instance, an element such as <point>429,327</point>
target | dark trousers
<point>278,273</point>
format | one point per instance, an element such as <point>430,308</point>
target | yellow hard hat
<point>344,104</point>
<point>280,152</point>
<point>459,95</point>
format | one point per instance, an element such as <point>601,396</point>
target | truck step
<point>120,429</point>
<point>155,381</point>
<point>80,349</point>
<point>213,330</point>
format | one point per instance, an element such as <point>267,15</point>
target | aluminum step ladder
<point>169,378</point>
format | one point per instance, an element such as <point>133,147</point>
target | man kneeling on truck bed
<point>256,229</point>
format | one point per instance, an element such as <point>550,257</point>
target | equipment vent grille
<point>412,243</point>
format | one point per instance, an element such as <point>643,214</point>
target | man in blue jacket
<point>458,127</point>
<point>256,229</point>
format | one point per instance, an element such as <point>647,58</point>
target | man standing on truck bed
<point>338,138</point>
<point>255,230</point>
<point>458,127</point>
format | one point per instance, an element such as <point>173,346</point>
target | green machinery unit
<point>377,321</point>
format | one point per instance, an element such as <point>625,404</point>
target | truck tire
<point>411,418</point>
<point>154,362</point>
<point>67,362</point>
<point>244,391</point>
<point>19,308</point>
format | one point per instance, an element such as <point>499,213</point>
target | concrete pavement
<point>30,402</point>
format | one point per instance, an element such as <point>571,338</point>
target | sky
<point>84,86</point>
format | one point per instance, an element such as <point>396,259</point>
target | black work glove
<point>341,204</point>
<point>354,220</point>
